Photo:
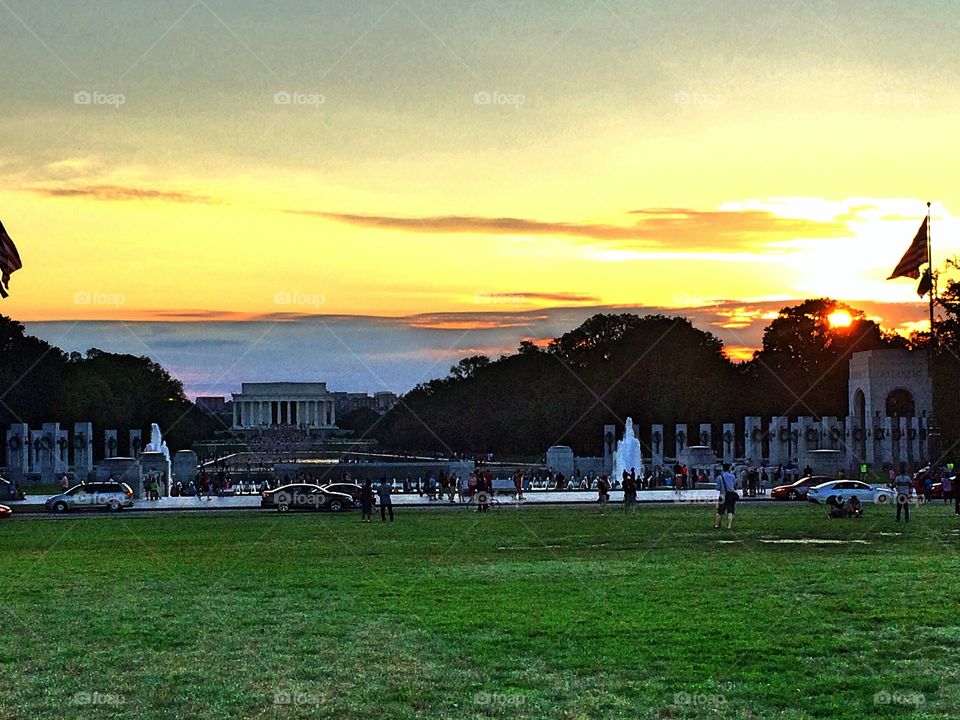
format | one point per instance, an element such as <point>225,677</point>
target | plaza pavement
<point>34,503</point>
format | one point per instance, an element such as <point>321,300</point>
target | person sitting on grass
<point>855,506</point>
<point>837,508</point>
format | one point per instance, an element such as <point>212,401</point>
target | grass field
<point>539,613</point>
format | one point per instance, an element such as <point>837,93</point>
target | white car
<point>846,489</point>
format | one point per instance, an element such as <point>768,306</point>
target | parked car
<point>5,512</point>
<point>846,489</point>
<point>301,496</point>
<point>797,490</point>
<point>112,495</point>
<point>351,489</point>
<point>5,494</point>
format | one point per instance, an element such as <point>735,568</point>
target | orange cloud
<point>115,193</point>
<point>653,227</point>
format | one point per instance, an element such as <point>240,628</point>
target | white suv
<point>111,495</point>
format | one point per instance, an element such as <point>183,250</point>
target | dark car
<point>5,512</point>
<point>798,490</point>
<point>301,496</point>
<point>5,487</point>
<point>351,489</point>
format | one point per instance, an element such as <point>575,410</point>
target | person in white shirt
<point>727,487</point>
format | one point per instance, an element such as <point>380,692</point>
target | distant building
<point>212,405</point>
<point>385,400</point>
<point>290,404</point>
<point>379,402</point>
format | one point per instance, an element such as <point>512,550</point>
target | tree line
<point>41,383</point>
<point>655,369</point>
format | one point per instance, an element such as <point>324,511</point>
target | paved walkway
<point>532,497</point>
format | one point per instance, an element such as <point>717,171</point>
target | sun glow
<point>840,319</point>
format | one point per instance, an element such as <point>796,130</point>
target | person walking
<point>903,484</point>
<point>727,487</point>
<point>386,502</point>
<point>603,492</point>
<point>366,501</point>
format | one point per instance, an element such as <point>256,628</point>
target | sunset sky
<point>422,173</point>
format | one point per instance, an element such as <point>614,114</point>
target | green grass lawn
<point>541,613</point>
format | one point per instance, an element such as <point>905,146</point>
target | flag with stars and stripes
<point>9,261</point>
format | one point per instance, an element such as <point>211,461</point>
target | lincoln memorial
<point>295,404</point>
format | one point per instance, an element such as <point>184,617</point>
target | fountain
<point>155,458</point>
<point>157,444</point>
<point>628,455</point>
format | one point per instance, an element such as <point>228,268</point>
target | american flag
<point>9,261</point>
<point>914,257</point>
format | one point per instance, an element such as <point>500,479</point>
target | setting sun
<point>840,319</point>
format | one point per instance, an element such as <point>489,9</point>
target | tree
<point>469,366</point>
<point>802,366</point>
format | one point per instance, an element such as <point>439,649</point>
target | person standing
<point>386,502</point>
<point>518,484</point>
<point>629,491</point>
<point>726,505</point>
<point>366,501</point>
<point>956,497</point>
<point>903,484</point>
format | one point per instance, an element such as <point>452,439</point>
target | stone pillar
<point>776,444</point>
<point>829,440</point>
<point>560,460</point>
<point>82,451</point>
<point>898,442</point>
<point>886,441</point>
<point>48,453</point>
<point>235,408</point>
<point>796,437</point>
<point>729,442</point>
<point>752,440</point>
<point>809,435</point>
<point>62,453</point>
<point>36,437</point>
<point>110,445</point>
<point>18,451</point>
<point>681,439</point>
<point>706,435</point>
<point>609,447</point>
<point>909,429</point>
<point>135,443</point>
<point>656,446</point>
<point>922,453</point>
<point>851,447</point>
